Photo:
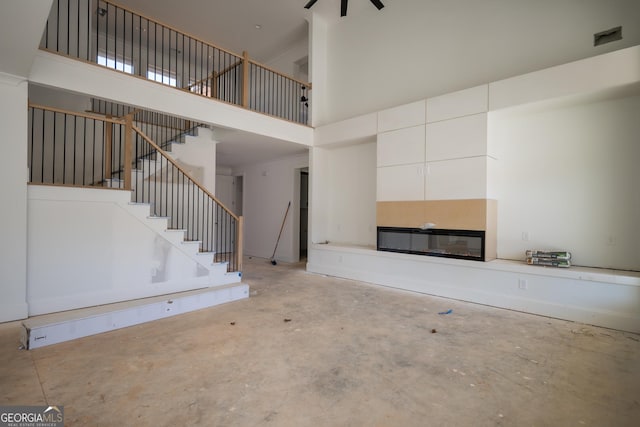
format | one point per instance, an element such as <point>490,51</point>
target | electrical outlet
<point>523,284</point>
<point>525,236</point>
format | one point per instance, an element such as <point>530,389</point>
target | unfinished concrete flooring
<point>307,350</point>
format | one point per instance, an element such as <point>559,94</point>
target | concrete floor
<point>351,355</point>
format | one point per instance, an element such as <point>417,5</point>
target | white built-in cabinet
<point>435,149</point>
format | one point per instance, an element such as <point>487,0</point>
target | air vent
<point>607,36</point>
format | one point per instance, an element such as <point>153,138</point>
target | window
<point>115,64</point>
<point>160,77</point>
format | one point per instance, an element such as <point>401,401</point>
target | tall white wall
<point>568,179</point>
<point>268,188</point>
<point>416,49</point>
<point>352,194</point>
<point>13,175</point>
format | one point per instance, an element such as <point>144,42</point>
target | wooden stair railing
<point>85,150</point>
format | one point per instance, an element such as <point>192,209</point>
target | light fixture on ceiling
<point>343,5</point>
<point>258,27</point>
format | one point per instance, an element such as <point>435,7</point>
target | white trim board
<point>55,328</point>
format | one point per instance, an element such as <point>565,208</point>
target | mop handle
<point>281,228</point>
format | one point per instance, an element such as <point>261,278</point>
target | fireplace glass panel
<point>464,244</point>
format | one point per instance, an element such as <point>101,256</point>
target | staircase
<point>187,155</point>
<point>153,243</point>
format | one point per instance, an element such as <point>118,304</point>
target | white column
<point>13,214</point>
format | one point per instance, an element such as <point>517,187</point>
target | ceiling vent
<point>607,36</point>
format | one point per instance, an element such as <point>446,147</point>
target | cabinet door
<point>457,138</point>
<point>396,183</point>
<point>401,147</point>
<point>458,104</point>
<point>456,179</point>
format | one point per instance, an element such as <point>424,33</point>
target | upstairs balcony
<point>104,33</point>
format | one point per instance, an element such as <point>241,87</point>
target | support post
<point>108,147</point>
<point>245,79</point>
<point>214,85</point>
<point>127,150</point>
<point>239,239</point>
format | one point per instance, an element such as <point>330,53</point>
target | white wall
<point>198,156</point>
<point>268,188</point>
<point>21,26</point>
<point>13,215</point>
<point>351,176</point>
<point>86,249</point>
<point>416,49</point>
<point>569,178</point>
<point>59,99</point>
<point>286,62</point>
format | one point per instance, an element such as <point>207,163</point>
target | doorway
<point>304,212</point>
<point>229,190</point>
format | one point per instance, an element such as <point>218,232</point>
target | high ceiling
<point>231,24</point>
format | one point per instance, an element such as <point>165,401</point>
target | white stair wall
<point>93,246</point>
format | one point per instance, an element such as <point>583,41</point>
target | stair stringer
<point>217,275</point>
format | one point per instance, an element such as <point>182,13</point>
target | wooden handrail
<point>79,114</point>
<point>173,162</point>
<point>305,84</point>
<point>171,28</point>
<point>229,68</point>
<point>216,74</point>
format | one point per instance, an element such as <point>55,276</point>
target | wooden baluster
<point>108,146</point>
<point>239,238</point>
<point>245,79</point>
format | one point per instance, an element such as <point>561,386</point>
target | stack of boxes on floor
<point>549,258</point>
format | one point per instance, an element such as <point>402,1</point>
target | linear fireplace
<point>461,244</point>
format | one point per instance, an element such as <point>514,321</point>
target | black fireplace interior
<point>461,244</point>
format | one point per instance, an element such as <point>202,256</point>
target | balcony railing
<point>110,35</point>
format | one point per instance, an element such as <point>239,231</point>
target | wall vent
<point>607,36</point>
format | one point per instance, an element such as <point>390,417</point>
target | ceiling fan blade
<point>377,3</point>
<point>343,7</point>
<point>311,3</point>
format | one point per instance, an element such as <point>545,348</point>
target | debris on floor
<point>433,331</point>
<point>287,320</point>
<point>232,323</point>
<point>446,312</point>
